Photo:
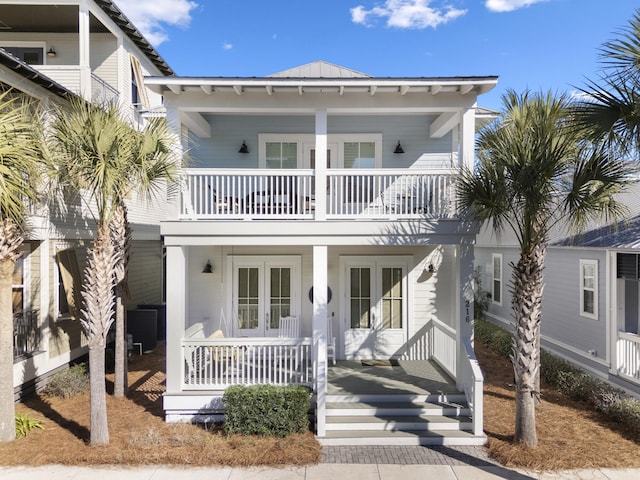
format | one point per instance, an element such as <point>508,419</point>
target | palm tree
<point>153,164</point>
<point>533,174</point>
<point>109,160</point>
<point>88,139</point>
<point>20,162</point>
<point>608,108</point>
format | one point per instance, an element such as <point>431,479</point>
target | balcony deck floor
<point>402,377</point>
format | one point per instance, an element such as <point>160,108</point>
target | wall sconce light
<point>399,148</point>
<point>208,268</point>
<point>431,268</point>
<point>243,148</point>
<point>51,52</point>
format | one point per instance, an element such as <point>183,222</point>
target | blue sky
<point>534,44</point>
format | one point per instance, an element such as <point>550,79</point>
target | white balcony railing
<point>225,194</point>
<point>628,356</point>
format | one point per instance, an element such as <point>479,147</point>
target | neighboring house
<point>327,195</point>
<point>52,52</point>
<point>591,301</point>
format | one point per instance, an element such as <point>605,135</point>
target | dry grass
<point>139,435</point>
<point>570,436</point>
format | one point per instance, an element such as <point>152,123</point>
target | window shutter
<point>627,265</point>
<point>142,91</point>
<point>71,279</point>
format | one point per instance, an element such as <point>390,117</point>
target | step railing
<point>26,333</point>
<point>473,384</point>
<point>212,364</point>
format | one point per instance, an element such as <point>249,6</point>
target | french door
<point>375,310</point>
<point>264,289</point>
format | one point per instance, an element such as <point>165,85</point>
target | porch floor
<point>401,377</point>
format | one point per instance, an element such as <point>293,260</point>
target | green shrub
<point>551,367</point>
<point>69,382</point>
<point>24,424</point>
<point>497,339</point>
<point>267,410</point>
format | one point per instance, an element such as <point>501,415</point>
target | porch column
<point>464,318</point>
<point>84,49</point>
<point>320,332</point>
<point>321,165</point>
<point>176,310</point>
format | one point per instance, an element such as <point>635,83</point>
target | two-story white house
<point>326,195</point>
<point>50,51</point>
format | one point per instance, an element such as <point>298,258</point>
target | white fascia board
<point>443,124</point>
<point>399,85</point>
<point>196,124</point>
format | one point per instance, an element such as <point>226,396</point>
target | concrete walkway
<point>336,463</point>
<point>322,471</point>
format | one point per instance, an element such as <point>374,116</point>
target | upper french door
<point>264,289</point>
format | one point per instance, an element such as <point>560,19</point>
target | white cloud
<point>150,16</point>
<point>407,14</point>
<point>227,46</point>
<point>509,5</point>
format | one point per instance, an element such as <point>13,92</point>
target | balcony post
<point>464,317</point>
<point>84,49</point>
<point>321,165</point>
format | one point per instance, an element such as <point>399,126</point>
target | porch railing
<point>217,364</point>
<point>226,194</point>
<point>443,346</point>
<point>628,356</point>
<point>101,91</point>
<point>26,333</point>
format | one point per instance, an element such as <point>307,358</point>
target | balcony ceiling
<point>44,18</point>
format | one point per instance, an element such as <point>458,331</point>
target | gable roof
<point>319,69</point>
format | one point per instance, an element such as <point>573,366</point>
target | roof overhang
<point>31,74</point>
<point>271,86</point>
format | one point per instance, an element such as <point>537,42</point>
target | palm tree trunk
<point>10,240</point>
<point>97,318</point>
<point>527,311</point>
<point>121,235</point>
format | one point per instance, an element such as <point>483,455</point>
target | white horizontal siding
<point>145,273</point>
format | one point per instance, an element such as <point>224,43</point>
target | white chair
<point>289,327</point>
<point>331,340</point>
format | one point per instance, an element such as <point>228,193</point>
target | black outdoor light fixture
<point>399,148</point>
<point>208,268</point>
<point>243,148</point>
<point>51,52</point>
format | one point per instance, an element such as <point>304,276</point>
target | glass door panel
<point>248,300</point>
<point>279,297</point>
<point>392,298</point>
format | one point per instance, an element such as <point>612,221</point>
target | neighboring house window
<point>19,296</point>
<point>496,284</point>
<point>68,285</point>
<point>29,55</point>
<point>589,288</point>
<point>281,155</point>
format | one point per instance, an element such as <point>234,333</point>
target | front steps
<point>399,419</point>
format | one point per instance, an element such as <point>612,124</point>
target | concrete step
<point>398,423</point>
<point>396,408</point>
<point>456,399</point>
<point>419,437</point>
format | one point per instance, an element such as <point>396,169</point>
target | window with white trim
<point>496,280</point>
<point>281,154</point>
<point>589,288</point>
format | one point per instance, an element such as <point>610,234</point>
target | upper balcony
<point>380,194</point>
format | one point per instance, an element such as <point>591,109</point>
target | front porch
<point>410,400</point>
